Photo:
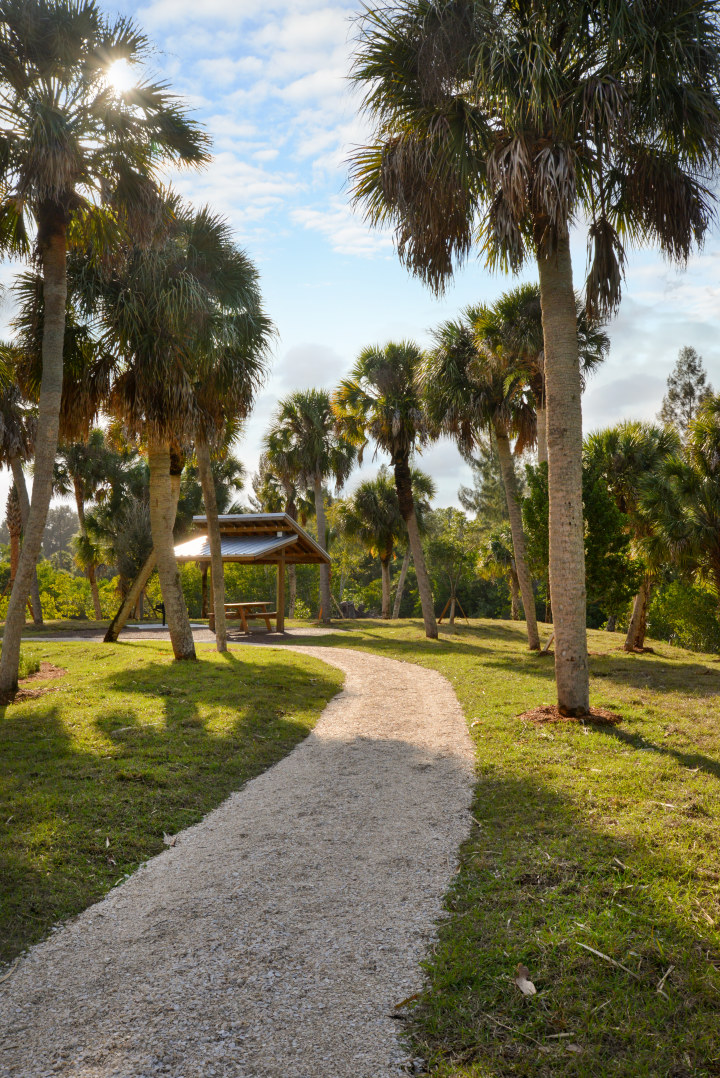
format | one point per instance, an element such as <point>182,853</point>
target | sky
<point>269,81</point>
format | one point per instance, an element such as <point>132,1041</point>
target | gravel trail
<point>274,939</point>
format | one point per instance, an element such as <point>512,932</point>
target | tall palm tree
<point>17,439</point>
<point>380,401</point>
<point>472,387</point>
<point>182,315</point>
<point>303,428</point>
<point>497,125</point>
<point>76,155</point>
<point>628,457</point>
<point>231,347</point>
<point>372,515</point>
<point>13,519</point>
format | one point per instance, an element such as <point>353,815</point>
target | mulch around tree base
<point>597,716</point>
<point>47,672</point>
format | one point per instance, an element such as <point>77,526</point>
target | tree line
<point>495,128</point>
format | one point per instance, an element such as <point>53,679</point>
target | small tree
<point>452,552</point>
<point>612,576</point>
<point>687,389</point>
<point>372,515</point>
<point>486,498</point>
<point>497,562</point>
<point>683,501</point>
<point>626,457</point>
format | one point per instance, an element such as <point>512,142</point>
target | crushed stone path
<point>274,939</point>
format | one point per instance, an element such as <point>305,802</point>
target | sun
<point>120,76</point>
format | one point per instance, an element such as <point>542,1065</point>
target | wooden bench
<point>247,612</point>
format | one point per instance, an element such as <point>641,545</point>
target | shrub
<point>685,615</point>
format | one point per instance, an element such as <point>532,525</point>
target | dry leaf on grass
<point>522,980</point>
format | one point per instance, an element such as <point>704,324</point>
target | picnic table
<point>247,612</point>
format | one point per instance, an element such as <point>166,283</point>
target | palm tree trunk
<point>518,536</point>
<point>162,519</point>
<point>451,619</point>
<point>564,435</point>
<point>542,453</point>
<point>611,622</point>
<point>401,583</point>
<point>128,604</point>
<point>52,250</point>
<point>203,592</point>
<point>385,573</point>
<point>403,485</point>
<point>514,595</point>
<point>325,598</point>
<point>13,520</point>
<point>90,571</point>
<point>291,510</point>
<point>637,628</point>
<point>139,584</point>
<point>24,500</point>
<point>217,575</point>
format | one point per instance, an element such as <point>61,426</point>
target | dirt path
<point>275,937</point>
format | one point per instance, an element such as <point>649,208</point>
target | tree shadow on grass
<point>538,886</point>
<point>85,804</point>
<point>691,760</point>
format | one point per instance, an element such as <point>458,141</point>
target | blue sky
<point>269,80</point>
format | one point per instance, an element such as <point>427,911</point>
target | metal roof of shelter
<point>261,538</point>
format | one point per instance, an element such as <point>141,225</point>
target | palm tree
<point>683,502</point>
<point>472,387</point>
<point>13,519</point>
<point>231,346</point>
<point>372,515</point>
<point>496,126</point>
<point>424,491</point>
<point>76,156</point>
<point>303,429</point>
<point>517,328</point>
<point>17,438</point>
<point>628,456</point>
<point>380,401</point>
<point>81,469</point>
<point>277,489</point>
<point>498,560</point>
<point>451,552</point>
<point>181,314</point>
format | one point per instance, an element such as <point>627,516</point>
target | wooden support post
<point>211,616</point>
<point>447,604</point>
<point>461,610</point>
<point>204,591</point>
<point>280,607</point>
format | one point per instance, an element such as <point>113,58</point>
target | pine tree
<point>687,388</point>
<point>486,498</point>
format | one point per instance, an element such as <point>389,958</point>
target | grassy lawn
<point>125,747</point>
<point>585,840</point>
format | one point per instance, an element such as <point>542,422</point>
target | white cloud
<point>346,232</point>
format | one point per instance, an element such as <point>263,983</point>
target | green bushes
<point>685,615</point>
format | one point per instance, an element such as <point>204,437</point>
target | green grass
<point>583,837</point>
<point>126,746</point>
